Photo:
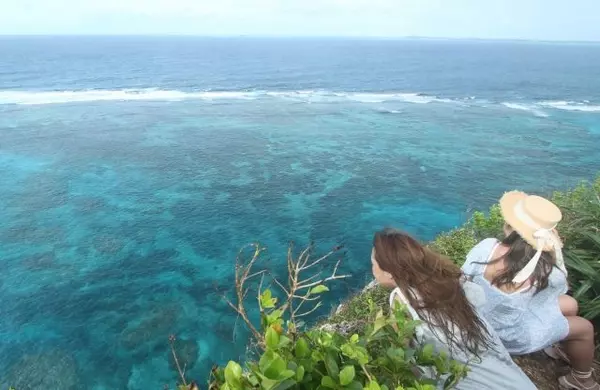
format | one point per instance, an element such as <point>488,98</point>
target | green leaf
<point>272,338</point>
<point>328,381</point>
<point>319,289</point>
<point>300,373</point>
<point>268,384</point>
<point>372,386</point>
<point>354,339</point>
<point>253,380</point>
<point>285,385</point>
<point>233,375</point>
<point>286,374</point>
<point>356,385</point>
<point>283,342</point>
<point>272,365</point>
<point>380,322</point>
<point>347,375</point>
<point>266,300</point>
<point>274,316</point>
<point>396,354</point>
<point>331,365</point>
<point>427,352</point>
<point>302,349</point>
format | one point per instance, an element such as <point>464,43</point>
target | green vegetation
<point>362,345</point>
<point>377,358</point>
<point>457,243</point>
<point>284,355</point>
<point>580,231</point>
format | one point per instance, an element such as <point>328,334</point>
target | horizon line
<point>259,36</point>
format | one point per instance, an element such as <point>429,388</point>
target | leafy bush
<point>356,310</point>
<point>580,231</point>
<point>457,243</point>
<point>318,359</point>
<point>287,357</point>
<point>487,225</point>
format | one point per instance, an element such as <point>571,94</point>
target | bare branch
<point>305,267</point>
<point>332,277</point>
<point>305,298</point>
<point>304,257</point>
<point>256,274</point>
<point>242,313</point>
<point>181,373</point>
<point>318,305</point>
<point>278,283</point>
<point>311,277</point>
<point>296,293</point>
<point>323,281</point>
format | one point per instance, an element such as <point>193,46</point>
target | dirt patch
<point>543,371</point>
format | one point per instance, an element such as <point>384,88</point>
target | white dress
<point>493,370</point>
<point>526,321</point>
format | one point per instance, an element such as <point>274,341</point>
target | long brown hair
<point>518,255</point>
<point>440,299</point>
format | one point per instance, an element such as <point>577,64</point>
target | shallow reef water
<point>123,207</point>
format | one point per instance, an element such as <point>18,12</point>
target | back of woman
<point>524,280</point>
<point>526,319</point>
<point>435,293</point>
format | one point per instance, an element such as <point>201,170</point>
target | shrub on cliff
<point>286,356</point>
<point>458,242</point>
<point>580,231</point>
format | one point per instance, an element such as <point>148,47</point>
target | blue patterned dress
<point>525,321</point>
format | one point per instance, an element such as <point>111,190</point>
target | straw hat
<point>535,219</point>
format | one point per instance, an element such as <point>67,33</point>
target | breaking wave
<point>539,109</point>
<point>526,107</point>
<point>58,97</point>
<point>572,106</point>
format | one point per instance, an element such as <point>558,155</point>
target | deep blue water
<point>133,169</point>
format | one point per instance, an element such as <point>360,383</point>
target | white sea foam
<point>387,97</point>
<point>306,96</point>
<point>525,107</point>
<point>571,106</point>
<point>151,94</point>
<point>55,97</point>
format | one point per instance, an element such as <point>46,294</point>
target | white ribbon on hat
<point>543,237</point>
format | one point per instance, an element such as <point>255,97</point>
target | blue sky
<point>521,19</point>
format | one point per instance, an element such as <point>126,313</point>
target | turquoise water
<point>133,170</point>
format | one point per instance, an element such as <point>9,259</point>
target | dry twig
<point>298,289</point>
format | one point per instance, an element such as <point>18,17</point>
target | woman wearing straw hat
<point>525,282</point>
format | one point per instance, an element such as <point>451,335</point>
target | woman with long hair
<point>525,282</point>
<point>435,293</point>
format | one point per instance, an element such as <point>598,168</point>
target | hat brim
<point>507,208</point>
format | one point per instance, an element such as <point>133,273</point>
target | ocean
<point>134,169</point>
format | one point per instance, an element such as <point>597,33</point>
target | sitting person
<point>435,292</point>
<point>524,279</point>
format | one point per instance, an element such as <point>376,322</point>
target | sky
<point>571,20</point>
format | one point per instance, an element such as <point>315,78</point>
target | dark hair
<point>441,300</point>
<point>517,257</point>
